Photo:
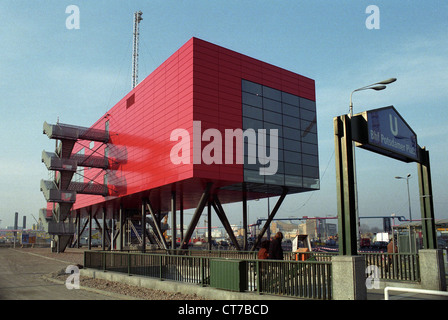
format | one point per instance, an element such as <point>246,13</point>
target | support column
<point>345,185</point>
<point>197,213</point>
<point>181,222</point>
<point>244,217</point>
<point>209,225</point>
<point>173,220</point>
<point>78,229</point>
<point>156,224</point>
<point>121,226</point>
<point>426,201</point>
<point>222,216</point>
<point>90,229</point>
<point>143,223</point>
<point>103,238</point>
<point>269,220</point>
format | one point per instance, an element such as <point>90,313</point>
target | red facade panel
<point>199,82</point>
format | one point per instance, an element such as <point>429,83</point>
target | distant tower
<point>137,19</point>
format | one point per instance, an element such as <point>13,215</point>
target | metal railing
<point>302,279</point>
<point>394,266</point>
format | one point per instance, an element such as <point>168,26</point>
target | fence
<point>394,266</point>
<point>302,279</point>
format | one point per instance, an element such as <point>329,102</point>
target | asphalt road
<point>21,279</point>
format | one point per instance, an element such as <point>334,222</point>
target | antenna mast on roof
<point>137,19</point>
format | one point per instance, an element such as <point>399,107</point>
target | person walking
<point>275,249</point>
<point>391,249</point>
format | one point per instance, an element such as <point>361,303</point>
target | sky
<point>49,72</point>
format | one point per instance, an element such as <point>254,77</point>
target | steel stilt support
<point>222,216</point>
<point>143,223</point>
<point>90,229</point>
<point>103,238</point>
<point>173,220</point>
<point>156,224</point>
<point>197,213</point>
<point>271,216</point>
<point>244,217</point>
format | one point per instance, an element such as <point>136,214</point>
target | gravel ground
<point>76,257</point>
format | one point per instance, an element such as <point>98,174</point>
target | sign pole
<point>345,184</point>
<point>426,201</point>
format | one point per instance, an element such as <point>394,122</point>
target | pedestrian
<point>391,249</point>
<point>275,248</point>
<point>392,246</point>
<point>263,253</point>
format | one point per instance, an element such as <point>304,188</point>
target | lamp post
<point>377,86</point>
<point>409,206</point>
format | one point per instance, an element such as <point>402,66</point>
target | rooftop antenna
<point>137,19</point>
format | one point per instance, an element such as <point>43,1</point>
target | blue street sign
<point>390,135</point>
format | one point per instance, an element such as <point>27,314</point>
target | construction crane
<point>137,19</point>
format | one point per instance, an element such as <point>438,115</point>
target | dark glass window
<point>272,93</point>
<point>252,87</point>
<point>307,104</point>
<point>292,111</point>
<point>252,112</point>
<point>290,99</point>
<point>252,100</point>
<point>294,118</point>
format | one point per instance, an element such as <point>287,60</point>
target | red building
<point>208,126</point>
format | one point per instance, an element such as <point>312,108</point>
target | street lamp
<point>409,197</point>
<point>377,86</point>
<point>409,206</point>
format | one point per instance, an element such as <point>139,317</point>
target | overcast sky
<point>48,71</point>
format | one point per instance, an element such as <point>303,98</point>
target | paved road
<point>21,279</point>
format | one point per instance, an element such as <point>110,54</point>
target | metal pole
<point>104,229</point>
<point>121,235</point>
<point>269,219</point>
<point>137,19</point>
<point>90,229</point>
<point>143,222</point>
<point>209,225</point>
<point>225,222</point>
<point>157,225</point>
<point>347,219</point>
<point>181,212</point>
<point>426,201</point>
<point>78,231</point>
<point>410,215</point>
<point>173,220</point>
<point>197,213</point>
<point>244,217</point>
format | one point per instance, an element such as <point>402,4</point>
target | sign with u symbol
<point>390,135</point>
<point>393,127</point>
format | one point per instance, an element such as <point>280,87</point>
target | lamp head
<point>390,80</point>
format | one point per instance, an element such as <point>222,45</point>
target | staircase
<point>62,190</point>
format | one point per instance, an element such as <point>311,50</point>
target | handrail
<point>412,290</point>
